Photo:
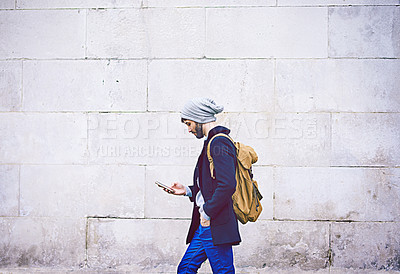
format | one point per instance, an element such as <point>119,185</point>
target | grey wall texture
<point>90,93</point>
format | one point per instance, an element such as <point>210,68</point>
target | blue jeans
<point>201,248</point>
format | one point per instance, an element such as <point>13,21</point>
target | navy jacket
<point>217,192</point>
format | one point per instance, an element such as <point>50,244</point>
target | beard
<point>199,131</point>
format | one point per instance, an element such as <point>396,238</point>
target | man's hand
<point>179,189</point>
<point>204,222</point>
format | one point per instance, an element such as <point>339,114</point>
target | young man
<point>214,227</point>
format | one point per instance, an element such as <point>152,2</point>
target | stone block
<point>7,4</point>
<point>38,138</point>
<point>42,242</point>
<point>116,191</point>
<point>364,31</point>
<point>354,85</point>
<point>78,191</point>
<point>291,3</point>
<point>158,203</point>
<point>288,139</point>
<point>9,190</point>
<point>34,4</point>
<point>130,33</point>
<point>42,33</point>
<point>136,245</point>
<point>10,85</point>
<point>366,246</point>
<point>249,83</point>
<point>85,85</point>
<point>283,245</point>
<point>265,180</point>
<point>116,33</point>
<point>53,190</point>
<point>210,3</point>
<point>267,32</point>
<point>175,32</point>
<point>365,139</point>
<point>360,194</point>
<point>141,138</point>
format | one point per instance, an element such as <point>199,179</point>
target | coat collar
<point>215,131</point>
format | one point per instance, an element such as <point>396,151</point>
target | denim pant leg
<point>194,256</point>
<point>220,256</point>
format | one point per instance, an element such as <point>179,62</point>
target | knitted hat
<point>201,110</point>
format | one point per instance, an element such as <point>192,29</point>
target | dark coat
<point>217,192</point>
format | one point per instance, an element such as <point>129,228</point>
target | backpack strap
<point>210,159</point>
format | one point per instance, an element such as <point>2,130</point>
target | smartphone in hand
<point>170,190</point>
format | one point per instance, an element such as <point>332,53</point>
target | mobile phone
<point>164,187</point>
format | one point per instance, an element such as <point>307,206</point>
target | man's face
<point>195,128</point>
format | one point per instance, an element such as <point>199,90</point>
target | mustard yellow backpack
<point>246,199</point>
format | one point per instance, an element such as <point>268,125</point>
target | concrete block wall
<point>90,93</point>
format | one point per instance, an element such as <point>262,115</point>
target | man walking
<point>214,227</point>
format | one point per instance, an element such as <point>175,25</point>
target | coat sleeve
<point>191,198</point>
<point>194,188</point>
<point>223,153</point>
